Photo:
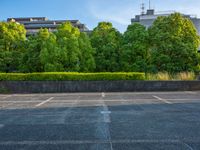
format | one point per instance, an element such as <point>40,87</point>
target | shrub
<point>72,76</point>
<point>12,76</point>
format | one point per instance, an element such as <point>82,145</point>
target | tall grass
<point>158,76</point>
<point>165,76</point>
<point>186,76</point>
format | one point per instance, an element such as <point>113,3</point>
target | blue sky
<point>90,12</point>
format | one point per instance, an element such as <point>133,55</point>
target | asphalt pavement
<point>100,121</point>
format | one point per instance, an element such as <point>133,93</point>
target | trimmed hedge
<point>65,76</point>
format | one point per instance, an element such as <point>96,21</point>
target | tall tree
<point>50,55</point>
<point>31,60</point>
<point>35,46</point>
<point>174,42</point>
<point>135,54</point>
<point>87,62</point>
<point>106,41</point>
<point>65,50</point>
<point>12,38</point>
<point>68,42</point>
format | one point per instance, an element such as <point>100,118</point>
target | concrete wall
<point>95,86</point>
<point>196,22</point>
<point>148,20</point>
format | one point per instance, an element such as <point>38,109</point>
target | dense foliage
<point>135,52</point>
<point>106,41</point>
<point>12,38</point>
<point>174,43</point>
<point>63,76</point>
<point>65,50</point>
<point>169,45</point>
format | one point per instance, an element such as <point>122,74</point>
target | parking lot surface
<point>100,121</point>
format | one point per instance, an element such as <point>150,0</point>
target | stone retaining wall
<point>96,86</point>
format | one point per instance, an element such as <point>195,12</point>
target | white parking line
<point>188,146</point>
<point>106,113</point>
<point>121,100</point>
<point>106,117</point>
<point>124,101</point>
<point>46,101</point>
<point>103,94</point>
<point>122,141</point>
<point>106,100</point>
<point>20,101</point>
<point>161,99</point>
<point>190,92</point>
<point>7,96</point>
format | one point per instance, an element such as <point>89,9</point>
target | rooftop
<point>34,24</point>
<point>151,14</point>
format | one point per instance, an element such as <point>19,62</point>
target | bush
<point>65,76</point>
<point>12,76</point>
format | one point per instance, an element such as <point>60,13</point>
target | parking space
<point>100,121</point>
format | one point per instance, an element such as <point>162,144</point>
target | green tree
<point>31,61</point>
<point>174,43</point>
<point>65,50</point>
<point>12,38</point>
<point>87,62</point>
<point>73,53</point>
<point>135,54</point>
<point>68,43</point>
<point>35,44</point>
<point>50,55</point>
<point>106,41</point>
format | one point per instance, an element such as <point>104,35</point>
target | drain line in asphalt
<point>8,96</point>
<point>106,117</point>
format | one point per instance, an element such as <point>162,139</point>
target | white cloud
<point>182,6</point>
<point>190,10</point>
<point>120,14</point>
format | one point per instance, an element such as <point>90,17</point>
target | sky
<point>90,12</point>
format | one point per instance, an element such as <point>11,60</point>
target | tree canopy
<point>87,61</point>
<point>134,55</point>
<point>65,50</point>
<point>31,57</point>
<point>170,45</point>
<point>106,41</point>
<point>12,38</point>
<point>174,44</point>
